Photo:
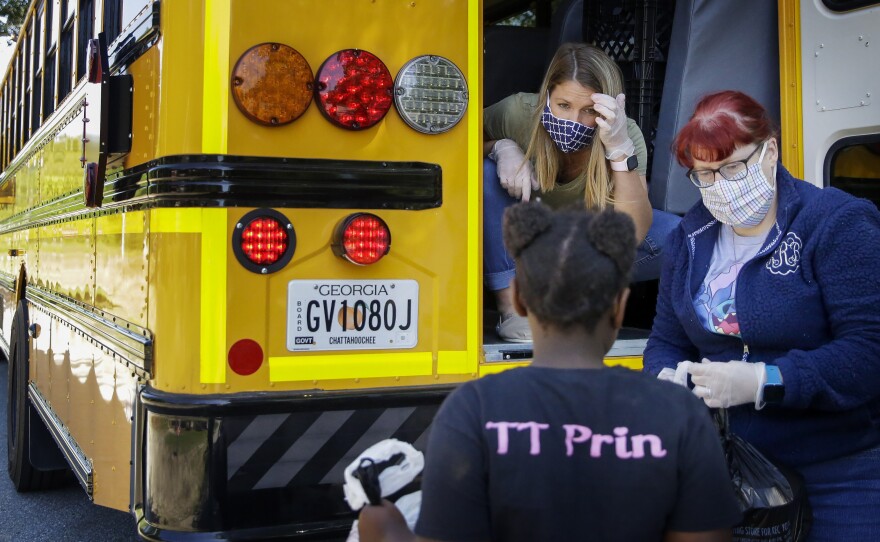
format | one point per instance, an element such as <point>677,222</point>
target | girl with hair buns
<point>770,286</point>
<point>567,448</point>
<point>573,144</point>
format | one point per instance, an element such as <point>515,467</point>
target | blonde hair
<point>592,68</point>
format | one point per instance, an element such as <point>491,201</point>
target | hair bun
<point>605,232</point>
<point>523,223</point>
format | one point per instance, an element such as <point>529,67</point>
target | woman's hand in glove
<point>517,175</point>
<point>679,375</point>
<point>612,125</point>
<point>725,384</point>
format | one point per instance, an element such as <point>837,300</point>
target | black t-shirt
<point>607,454</point>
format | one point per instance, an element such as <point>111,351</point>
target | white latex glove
<point>612,125</point>
<point>725,384</point>
<point>517,175</point>
<point>679,375</point>
<point>667,374</point>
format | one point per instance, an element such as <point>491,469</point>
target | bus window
<point>49,67</point>
<point>51,26</point>
<point>854,167</point>
<point>65,61</point>
<point>20,100</point>
<point>84,31</point>
<point>118,13</point>
<point>37,75</point>
<point>49,85</point>
<point>68,8</point>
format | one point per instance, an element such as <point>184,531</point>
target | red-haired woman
<point>770,286</point>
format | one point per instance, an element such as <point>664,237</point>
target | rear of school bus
<point>313,263</point>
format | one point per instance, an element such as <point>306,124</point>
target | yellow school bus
<point>243,238</point>
<point>242,246</point>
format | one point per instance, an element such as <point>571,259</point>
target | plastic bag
<point>773,498</point>
<point>389,469</point>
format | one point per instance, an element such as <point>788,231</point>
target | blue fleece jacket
<point>809,302</point>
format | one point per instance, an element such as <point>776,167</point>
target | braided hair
<point>571,264</point>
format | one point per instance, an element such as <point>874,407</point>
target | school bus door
<point>830,81</point>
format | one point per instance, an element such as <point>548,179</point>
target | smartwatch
<point>774,389</point>
<point>629,164</point>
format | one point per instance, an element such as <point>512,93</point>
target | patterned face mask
<point>569,135</point>
<point>742,203</point>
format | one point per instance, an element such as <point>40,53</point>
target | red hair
<point>721,123</point>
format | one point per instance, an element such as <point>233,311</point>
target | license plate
<point>352,314</point>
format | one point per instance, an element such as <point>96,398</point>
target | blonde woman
<point>571,144</point>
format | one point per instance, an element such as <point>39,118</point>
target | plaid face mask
<point>569,135</point>
<point>743,203</point>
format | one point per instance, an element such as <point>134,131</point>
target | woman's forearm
<point>631,197</point>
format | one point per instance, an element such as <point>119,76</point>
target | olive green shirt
<point>511,119</point>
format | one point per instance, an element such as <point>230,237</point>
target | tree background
<point>11,16</point>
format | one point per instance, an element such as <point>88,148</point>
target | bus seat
<point>566,25</point>
<point>715,46</point>
<point>513,61</point>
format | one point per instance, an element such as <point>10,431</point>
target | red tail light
<point>354,89</point>
<point>263,241</point>
<point>362,239</point>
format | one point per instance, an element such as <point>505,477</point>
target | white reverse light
<point>431,94</point>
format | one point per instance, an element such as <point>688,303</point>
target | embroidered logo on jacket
<point>786,259</point>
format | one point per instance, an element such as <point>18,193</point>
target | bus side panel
<point>7,312</point>
<point>61,170</point>
<point>145,109</point>
<point>181,67</point>
<point>121,266</point>
<point>91,394</point>
<point>173,291</point>
<point>67,259</point>
<point>27,183</point>
<point>8,271</point>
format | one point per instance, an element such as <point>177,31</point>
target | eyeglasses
<point>732,171</point>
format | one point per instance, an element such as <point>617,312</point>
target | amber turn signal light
<point>272,84</point>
